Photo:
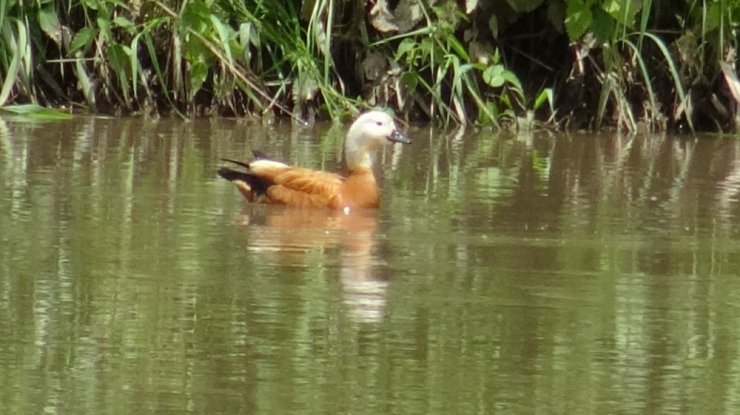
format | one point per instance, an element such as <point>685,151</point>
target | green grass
<point>654,63</point>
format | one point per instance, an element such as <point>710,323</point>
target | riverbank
<point>574,64</point>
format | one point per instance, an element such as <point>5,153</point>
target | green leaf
<point>457,47</point>
<point>104,26</point>
<point>12,70</point>
<point>513,80</point>
<point>223,37</point>
<point>405,47</point>
<point>134,63</point>
<point>248,35</point>
<point>118,57</point>
<point>49,22</point>
<point>82,40</point>
<point>195,51</point>
<point>426,46</point>
<point>198,73</point>
<point>36,111</point>
<point>120,3</point>
<point>544,96</point>
<point>496,57</point>
<point>3,14</point>
<point>410,80</point>
<point>494,76</point>
<point>84,83</point>
<point>123,22</point>
<point>493,26</point>
<point>603,25</point>
<point>488,114</point>
<point>196,17</point>
<point>622,11</point>
<point>578,19</point>
<point>714,16</point>
<point>90,4</point>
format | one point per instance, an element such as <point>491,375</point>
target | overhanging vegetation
<point>653,65</point>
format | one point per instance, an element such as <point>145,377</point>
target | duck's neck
<point>359,160</point>
<point>359,157</point>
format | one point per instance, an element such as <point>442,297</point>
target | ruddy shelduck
<point>269,181</point>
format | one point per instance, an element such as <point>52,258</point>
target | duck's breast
<point>359,190</point>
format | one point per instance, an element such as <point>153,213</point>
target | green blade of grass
<point>674,74</point>
<point>12,75</point>
<point>645,75</point>
<point>36,111</point>
<point>606,91</point>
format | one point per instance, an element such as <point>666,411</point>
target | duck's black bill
<point>398,137</point>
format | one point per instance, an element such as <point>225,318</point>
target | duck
<point>264,180</point>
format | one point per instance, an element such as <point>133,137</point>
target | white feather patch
<point>266,164</point>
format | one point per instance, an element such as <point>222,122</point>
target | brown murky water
<point>503,274</point>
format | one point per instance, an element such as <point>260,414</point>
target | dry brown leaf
<point>381,18</point>
<point>408,14</point>
<point>731,78</point>
<point>470,5</point>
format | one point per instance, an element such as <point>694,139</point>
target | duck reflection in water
<point>289,236</point>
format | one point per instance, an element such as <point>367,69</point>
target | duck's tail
<point>252,187</point>
<point>238,163</point>
<point>232,175</point>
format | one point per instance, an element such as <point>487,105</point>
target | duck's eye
<point>379,123</point>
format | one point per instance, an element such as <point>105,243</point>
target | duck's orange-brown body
<point>273,182</point>
<point>296,186</point>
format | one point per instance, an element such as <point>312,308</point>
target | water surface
<point>528,273</point>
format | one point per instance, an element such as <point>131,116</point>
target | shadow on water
<point>527,273</point>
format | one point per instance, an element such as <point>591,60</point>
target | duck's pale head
<point>369,132</point>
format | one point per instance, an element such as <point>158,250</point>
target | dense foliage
<point>660,64</point>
